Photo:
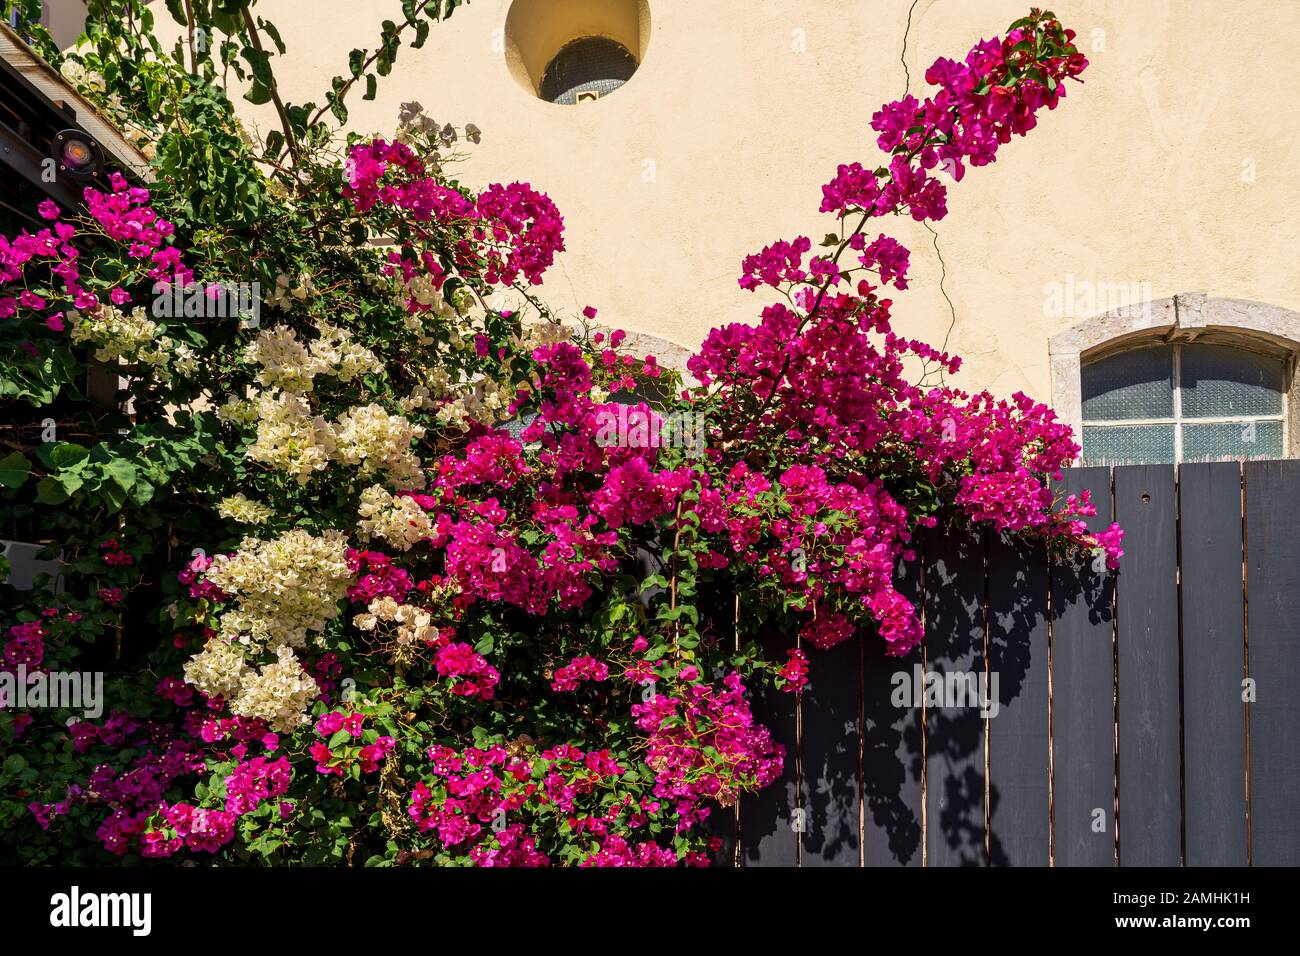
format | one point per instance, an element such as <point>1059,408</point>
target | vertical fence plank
<point>1273,608</point>
<point>768,829</point>
<point>1214,730</point>
<point>1019,800</point>
<point>831,740</point>
<point>1146,601</point>
<point>1083,794</point>
<point>954,731</point>
<point>891,750</point>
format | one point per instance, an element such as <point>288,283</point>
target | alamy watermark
<point>1083,299</point>
<point>73,690</point>
<point>77,909</point>
<point>212,300</point>
<point>946,690</point>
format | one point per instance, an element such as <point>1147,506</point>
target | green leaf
<point>14,469</point>
<point>274,142</point>
<point>114,496</point>
<point>258,94</point>
<point>273,33</point>
<point>421,34</point>
<point>335,100</point>
<point>143,491</point>
<point>50,492</point>
<point>260,61</point>
<point>122,472</point>
<point>61,454</point>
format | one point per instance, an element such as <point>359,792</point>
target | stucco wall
<point>1173,169</point>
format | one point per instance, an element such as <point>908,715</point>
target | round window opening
<point>586,70</point>
<point>575,51</point>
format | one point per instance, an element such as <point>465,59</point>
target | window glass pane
<point>1138,384</point>
<point>590,64</point>
<point>1232,441</point>
<point>1128,444</point>
<point>1222,382</point>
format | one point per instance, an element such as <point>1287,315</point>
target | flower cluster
<point>396,520</point>
<point>284,588</point>
<point>290,437</point>
<point>277,693</point>
<point>378,443</point>
<point>469,673</point>
<point>515,228</point>
<point>346,743</point>
<point>243,510</point>
<point>492,806</point>
<point>288,364</point>
<point>704,745</point>
<point>255,781</point>
<point>115,335</point>
<point>531,608</point>
<point>585,668</point>
<point>125,216</point>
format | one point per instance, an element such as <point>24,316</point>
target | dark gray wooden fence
<point>1148,717</point>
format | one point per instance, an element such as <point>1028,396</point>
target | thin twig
<point>290,141</point>
<point>366,64</point>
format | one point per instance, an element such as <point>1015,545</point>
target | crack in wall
<point>943,276</point>
<point>943,266</point>
<point>902,57</point>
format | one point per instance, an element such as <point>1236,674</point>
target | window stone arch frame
<point>667,354</point>
<point>1183,318</point>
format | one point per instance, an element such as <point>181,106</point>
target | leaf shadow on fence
<point>891,755</point>
<point>955,602</point>
<point>829,757</point>
<point>1019,805</point>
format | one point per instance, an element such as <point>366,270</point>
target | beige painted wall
<point>744,108</point>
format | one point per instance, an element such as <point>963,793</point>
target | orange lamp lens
<point>76,154</point>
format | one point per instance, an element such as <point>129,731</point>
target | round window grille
<point>587,69</point>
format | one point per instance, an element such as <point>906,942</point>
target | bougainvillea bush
<point>396,575</point>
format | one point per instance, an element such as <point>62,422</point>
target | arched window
<point>587,69</point>
<point>575,51</point>
<point>1188,378</point>
<point>1193,401</point>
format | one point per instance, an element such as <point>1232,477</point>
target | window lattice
<point>592,64</point>
<point>1171,403</point>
